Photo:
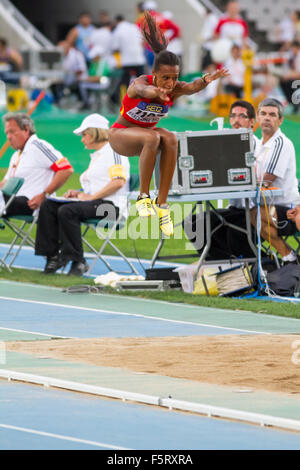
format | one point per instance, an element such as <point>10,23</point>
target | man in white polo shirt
<point>276,167</point>
<point>43,168</point>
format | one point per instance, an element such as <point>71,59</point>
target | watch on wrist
<point>46,194</point>
<point>203,78</point>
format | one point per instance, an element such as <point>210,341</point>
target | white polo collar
<point>269,143</point>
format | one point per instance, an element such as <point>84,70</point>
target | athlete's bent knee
<point>152,139</point>
<point>169,140</point>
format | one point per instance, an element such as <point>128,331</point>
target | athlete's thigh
<point>130,141</point>
<point>166,137</point>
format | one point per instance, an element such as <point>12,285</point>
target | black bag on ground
<point>268,265</point>
<point>226,242</point>
<point>285,281</point>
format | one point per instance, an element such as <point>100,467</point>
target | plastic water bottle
<point>2,95</point>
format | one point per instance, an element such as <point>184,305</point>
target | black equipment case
<point>212,161</point>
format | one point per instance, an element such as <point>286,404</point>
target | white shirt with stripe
<point>277,157</point>
<point>101,171</point>
<point>33,164</point>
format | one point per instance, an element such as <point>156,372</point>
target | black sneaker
<point>78,268</point>
<point>53,264</point>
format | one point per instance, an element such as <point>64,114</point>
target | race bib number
<point>148,112</point>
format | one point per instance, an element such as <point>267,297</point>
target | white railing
<point>16,20</point>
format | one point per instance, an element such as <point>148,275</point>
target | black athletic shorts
<point>285,227</point>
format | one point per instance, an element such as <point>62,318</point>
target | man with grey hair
<point>276,167</point>
<point>43,168</point>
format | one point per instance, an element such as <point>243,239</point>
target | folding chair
<point>22,232</point>
<point>112,227</point>
<point>293,241</point>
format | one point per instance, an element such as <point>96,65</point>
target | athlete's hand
<point>162,94</point>
<point>154,92</point>
<point>210,77</point>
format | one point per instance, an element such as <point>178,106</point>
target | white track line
<point>148,317</point>
<point>33,333</point>
<point>64,438</point>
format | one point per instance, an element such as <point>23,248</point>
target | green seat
<point>10,190</point>
<point>22,232</point>
<point>12,186</point>
<point>112,227</point>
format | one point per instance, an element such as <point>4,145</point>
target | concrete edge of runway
<point>173,404</point>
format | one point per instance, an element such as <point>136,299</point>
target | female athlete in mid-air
<point>134,133</point>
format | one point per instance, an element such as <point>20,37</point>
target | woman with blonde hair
<point>104,185</point>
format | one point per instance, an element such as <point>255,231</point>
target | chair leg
<point>25,239</point>
<point>23,235</point>
<point>99,253</point>
<point>16,230</point>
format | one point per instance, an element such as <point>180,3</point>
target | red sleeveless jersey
<point>143,111</point>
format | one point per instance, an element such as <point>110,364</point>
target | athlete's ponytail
<point>158,42</point>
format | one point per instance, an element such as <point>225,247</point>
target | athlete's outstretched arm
<point>140,88</point>
<point>199,84</point>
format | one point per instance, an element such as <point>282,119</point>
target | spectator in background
<point>11,63</point>
<point>139,11</point>
<point>235,83</point>
<point>79,36</point>
<point>98,76</point>
<point>170,29</point>
<point>127,41</point>
<point>292,74</point>
<point>75,70</point>
<point>207,37</point>
<point>285,31</point>
<point>104,18</point>
<point>102,36</point>
<point>175,45</point>
<point>232,26</point>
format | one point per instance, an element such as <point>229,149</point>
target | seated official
<point>276,167</point>
<point>43,168</point>
<point>104,184</point>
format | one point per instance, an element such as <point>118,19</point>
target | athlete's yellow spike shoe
<point>143,206</point>
<point>165,222</point>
